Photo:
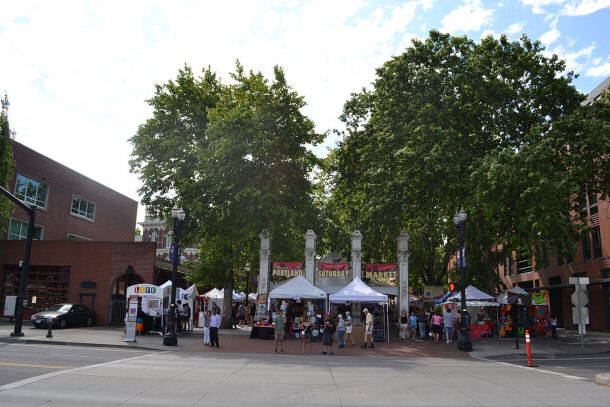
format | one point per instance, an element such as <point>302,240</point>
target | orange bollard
<point>529,349</point>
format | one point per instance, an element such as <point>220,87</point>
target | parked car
<point>64,315</point>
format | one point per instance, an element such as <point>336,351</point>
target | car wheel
<point>89,321</point>
<point>62,324</point>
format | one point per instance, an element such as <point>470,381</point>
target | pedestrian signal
<point>454,287</point>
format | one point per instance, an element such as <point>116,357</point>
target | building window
<point>31,191</point>
<point>72,236</point>
<point>83,208</point>
<point>168,241</point>
<point>18,230</point>
<point>153,236</point>
<point>49,284</point>
<point>524,262</point>
<point>596,242</point>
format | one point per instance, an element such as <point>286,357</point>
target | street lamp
<point>459,219</point>
<point>247,268</point>
<point>177,218</point>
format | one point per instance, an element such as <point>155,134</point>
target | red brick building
<point>70,206</point>
<point>84,250</point>
<point>157,231</point>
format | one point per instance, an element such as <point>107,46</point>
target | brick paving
<point>294,346</point>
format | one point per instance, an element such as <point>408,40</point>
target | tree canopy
<point>235,158</point>
<point>6,161</point>
<point>494,126</point>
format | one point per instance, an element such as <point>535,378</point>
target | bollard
<point>50,324</point>
<point>529,349</point>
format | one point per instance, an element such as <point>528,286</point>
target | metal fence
<point>116,314</point>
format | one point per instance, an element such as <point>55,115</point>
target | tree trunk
<point>227,304</point>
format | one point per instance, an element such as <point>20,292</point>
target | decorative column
<point>403,272</point>
<point>356,238</point>
<point>310,254</point>
<point>265,264</point>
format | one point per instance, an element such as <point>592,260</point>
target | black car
<point>64,315</point>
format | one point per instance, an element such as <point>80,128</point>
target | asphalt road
<point>583,367</point>
<point>23,361</point>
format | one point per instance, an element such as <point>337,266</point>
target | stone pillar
<point>356,238</point>
<point>310,255</point>
<point>403,272</point>
<point>265,263</point>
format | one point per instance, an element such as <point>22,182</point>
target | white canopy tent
<point>358,291</point>
<point>297,287</point>
<point>185,296</point>
<point>503,298</point>
<point>236,296</point>
<point>472,294</point>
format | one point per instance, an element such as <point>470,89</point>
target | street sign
<point>579,280</point>
<point>578,316</point>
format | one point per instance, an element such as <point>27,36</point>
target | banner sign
<point>333,269</point>
<point>381,271</point>
<point>461,257</point>
<point>287,269</point>
<point>145,290</point>
<point>173,250</point>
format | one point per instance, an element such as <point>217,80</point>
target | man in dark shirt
<point>327,337</point>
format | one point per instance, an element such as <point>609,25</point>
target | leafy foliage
<point>6,161</point>
<point>235,158</point>
<point>491,126</point>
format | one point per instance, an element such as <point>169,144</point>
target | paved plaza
<point>245,371</point>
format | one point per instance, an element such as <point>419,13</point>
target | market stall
<point>185,296</point>
<point>150,307</point>
<point>292,293</point>
<point>358,291</point>
<point>481,325</point>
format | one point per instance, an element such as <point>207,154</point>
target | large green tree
<point>494,126</point>
<point>235,158</point>
<point>6,161</point>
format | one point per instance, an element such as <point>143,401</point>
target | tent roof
<point>236,296</point>
<point>472,293</point>
<point>214,293</point>
<point>297,287</point>
<point>357,290</point>
<point>518,290</point>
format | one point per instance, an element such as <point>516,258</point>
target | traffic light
<point>454,287</point>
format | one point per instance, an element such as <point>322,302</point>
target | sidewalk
<point>238,341</point>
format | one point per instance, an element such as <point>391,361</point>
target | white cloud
<point>549,37</point>
<point>515,28</point>
<point>601,71</point>
<point>487,33</point>
<point>584,7</point>
<point>538,4</point>
<point>469,17</point>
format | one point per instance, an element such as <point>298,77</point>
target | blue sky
<point>77,73</point>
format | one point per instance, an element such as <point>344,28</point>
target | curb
<point>96,345</point>
<point>602,379</point>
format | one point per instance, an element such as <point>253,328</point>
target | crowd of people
<point>427,323</point>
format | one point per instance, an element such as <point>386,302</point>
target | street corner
<point>603,379</point>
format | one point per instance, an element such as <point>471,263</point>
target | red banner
<point>287,269</point>
<point>381,271</point>
<point>333,269</point>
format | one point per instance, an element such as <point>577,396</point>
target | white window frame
<point>24,225</point>
<point>78,214</point>
<point>26,198</point>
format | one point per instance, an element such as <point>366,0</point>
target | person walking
<point>186,317</point>
<point>341,331</point>
<point>436,325</point>
<point>307,326</point>
<point>413,324</point>
<point>328,334</point>
<point>421,318</point>
<point>206,328</point>
<point>348,328</point>
<point>448,319</point>
<point>179,315</point>
<point>280,325</point>
<point>368,329</point>
<point>404,324</point>
<point>554,326</point>
<point>214,326</point>
<point>242,315</point>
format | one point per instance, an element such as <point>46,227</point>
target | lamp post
<point>459,219</point>
<point>177,218</point>
<point>247,268</point>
